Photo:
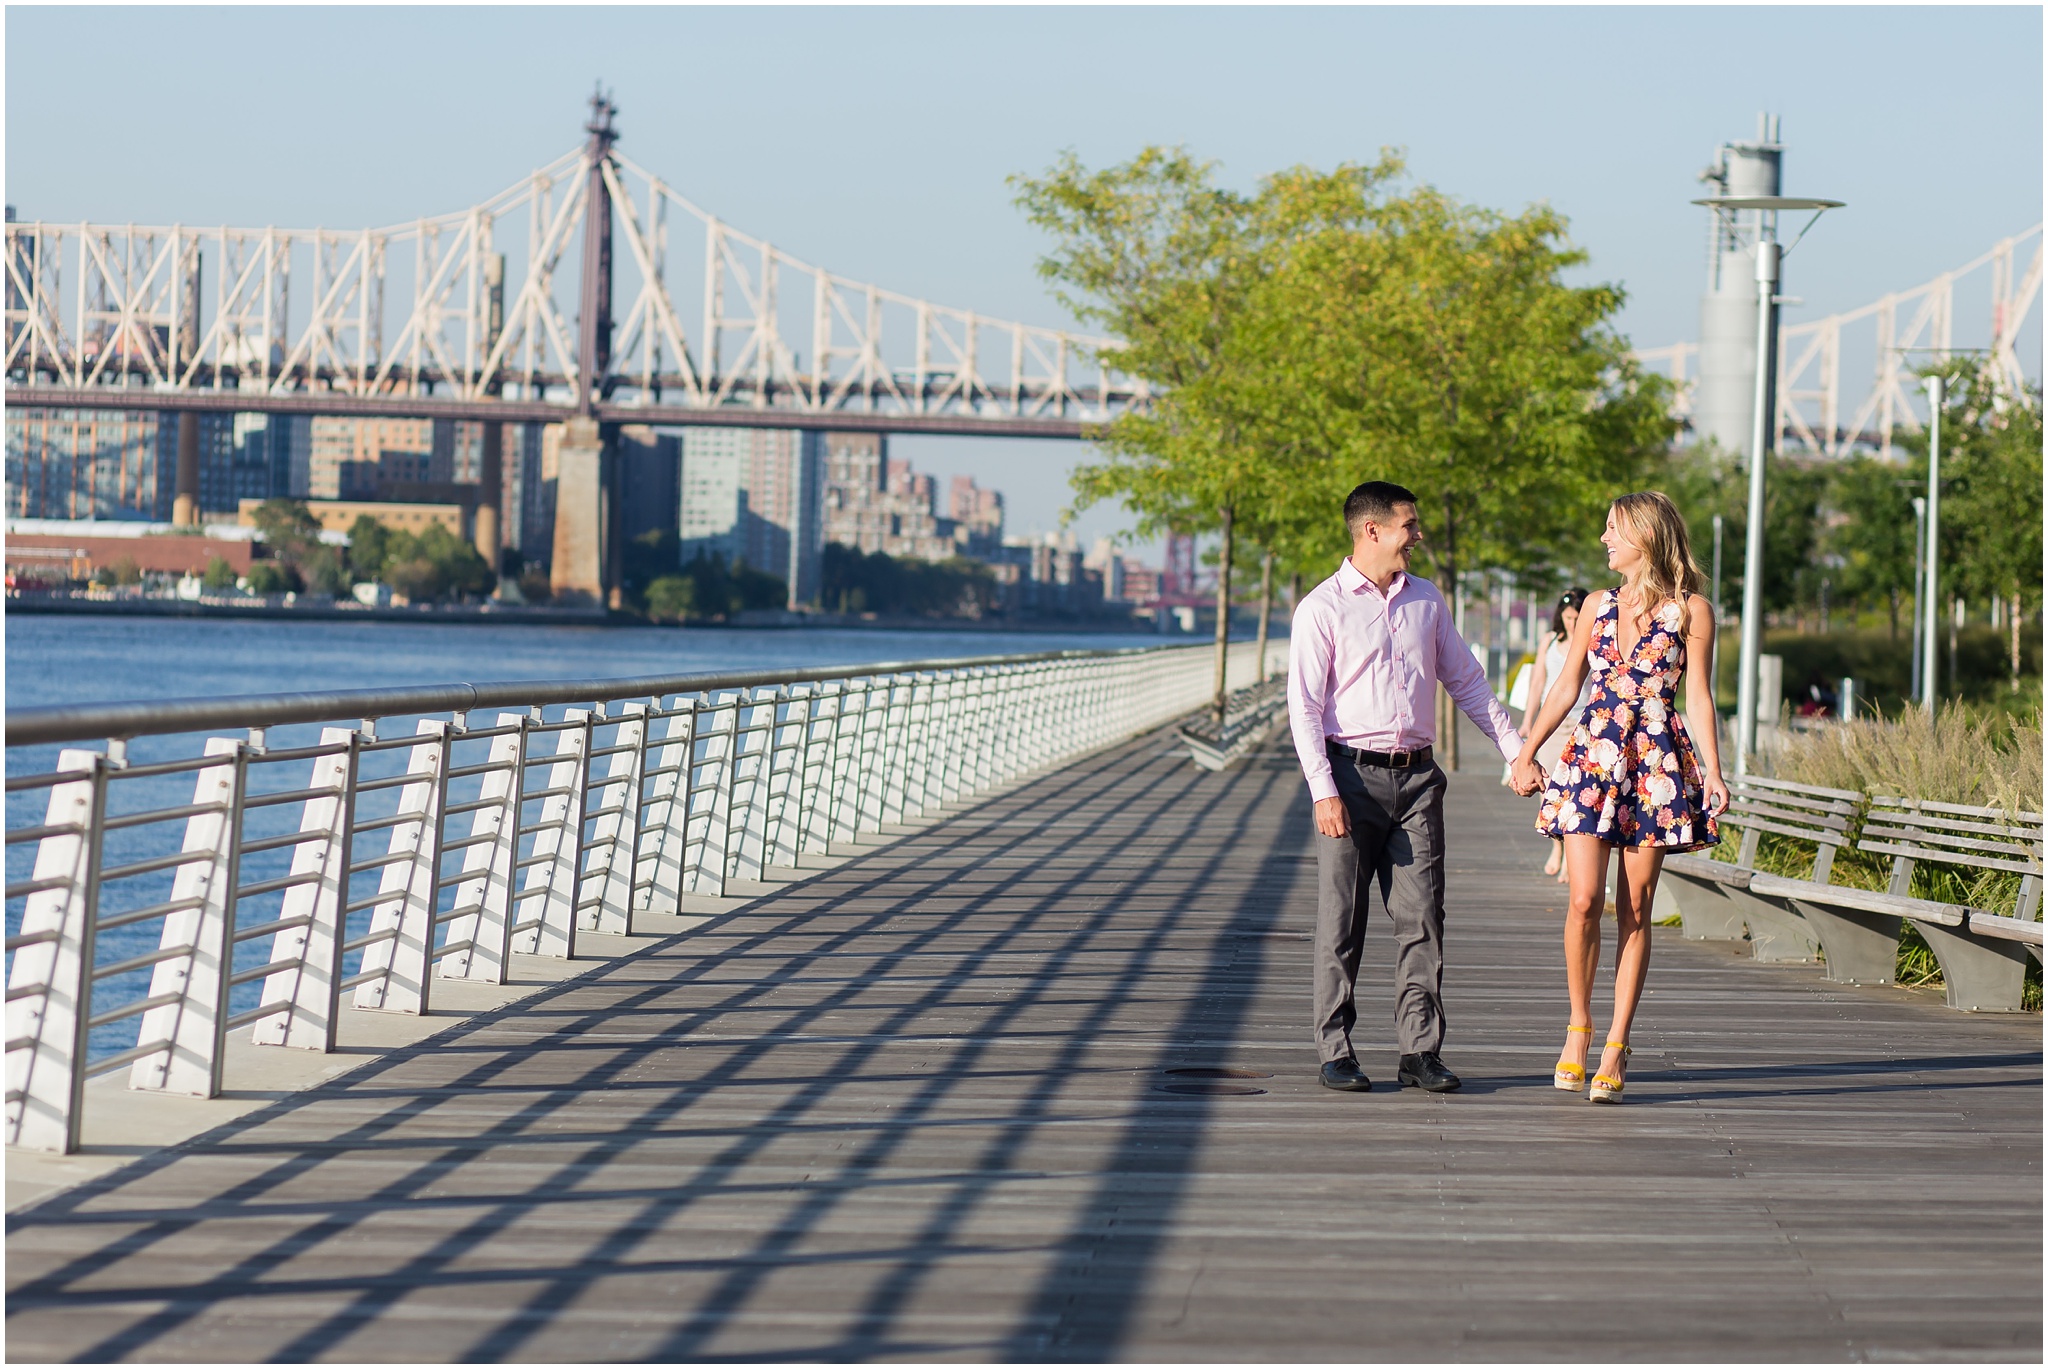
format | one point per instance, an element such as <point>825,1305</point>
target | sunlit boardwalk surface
<point>921,1106</point>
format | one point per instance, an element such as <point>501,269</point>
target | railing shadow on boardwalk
<point>938,1009</point>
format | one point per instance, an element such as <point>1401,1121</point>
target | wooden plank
<point>917,1107</point>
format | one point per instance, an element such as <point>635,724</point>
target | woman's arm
<point>1564,692</point>
<point>1537,677</point>
<point>1701,719</point>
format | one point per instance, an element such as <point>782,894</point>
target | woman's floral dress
<point>1629,775</point>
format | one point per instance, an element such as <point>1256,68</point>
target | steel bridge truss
<point>1902,332</point>
<point>99,307</point>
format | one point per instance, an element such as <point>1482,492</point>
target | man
<point>1369,646</point>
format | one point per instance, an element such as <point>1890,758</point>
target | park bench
<point>1983,952</point>
<point>1250,716</point>
<point>1717,901</point>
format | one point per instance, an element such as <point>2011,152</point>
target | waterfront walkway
<point>924,1105</point>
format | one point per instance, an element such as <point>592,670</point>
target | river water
<point>58,659</point>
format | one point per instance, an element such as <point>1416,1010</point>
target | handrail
<point>101,721</point>
<point>383,860</point>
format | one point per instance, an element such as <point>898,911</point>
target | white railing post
<point>658,875</point>
<point>192,1025</point>
<point>871,757</point>
<point>394,974</point>
<point>49,987</point>
<point>786,781</point>
<point>608,877</point>
<point>547,921</point>
<point>480,926</point>
<point>307,957</point>
<point>752,755</point>
<point>721,741</point>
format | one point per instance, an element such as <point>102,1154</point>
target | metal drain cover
<point>1215,1072</point>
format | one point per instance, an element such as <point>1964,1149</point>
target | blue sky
<point>876,141</point>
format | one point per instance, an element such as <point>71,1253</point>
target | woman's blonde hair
<point>1657,529</point>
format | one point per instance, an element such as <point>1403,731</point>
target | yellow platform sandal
<point>1606,1089</point>
<point>1569,1077</point>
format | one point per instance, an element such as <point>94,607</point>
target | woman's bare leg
<point>1635,891</point>
<point>1585,861</point>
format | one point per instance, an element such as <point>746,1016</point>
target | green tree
<point>1991,493</point>
<point>1870,536</point>
<point>1171,266</point>
<point>672,599</point>
<point>369,543</point>
<point>219,576</point>
<point>268,577</point>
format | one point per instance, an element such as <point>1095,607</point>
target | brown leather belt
<point>1386,760</point>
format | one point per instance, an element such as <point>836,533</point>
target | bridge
<point>939,1011</point>
<point>103,315</point>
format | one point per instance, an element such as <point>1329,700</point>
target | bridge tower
<point>1725,391</point>
<point>587,563</point>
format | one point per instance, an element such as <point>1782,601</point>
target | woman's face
<point>1570,618</point>
<point>1623,556</point>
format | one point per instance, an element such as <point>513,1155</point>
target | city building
<point>355,458</point>
<point>119,464</point>
<point>876,502</point>
<point>650,481</point>
<point>755,495</point>
<point>978,513</point>
<point>49,551</point>
<point>1123,581</point>
<point>339,515</point>
<point>1046,575</point>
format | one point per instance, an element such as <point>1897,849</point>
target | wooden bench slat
<point>1963,810</point>
<point>2005,928</point>
<point>1848,795</point>
<point>1926,853</point>
<point>1868,900</point>
<point>1942,841</point>
<point>1927,824</point>
<point>1779,829</point>
<point>1707,868</point>
<point>1789,802</point>
<point>1741,808</point>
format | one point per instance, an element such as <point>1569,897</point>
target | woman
<point>1634,775</point>
<point>1564,619</point>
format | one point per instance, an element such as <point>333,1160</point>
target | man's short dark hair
<point>1374,501</point>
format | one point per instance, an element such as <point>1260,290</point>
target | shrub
<point>672,599</point>
<point>267,577</point>
<point>219,575</point>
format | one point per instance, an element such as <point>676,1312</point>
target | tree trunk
<point>1447,712</point>
<point>1265,609</point>
<point>1224,567</point>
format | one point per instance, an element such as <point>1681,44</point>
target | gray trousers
<point>1397,843</point>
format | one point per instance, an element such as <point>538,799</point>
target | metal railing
<point>369,842</point>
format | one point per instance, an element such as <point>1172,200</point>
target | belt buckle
<point>1401,760</point>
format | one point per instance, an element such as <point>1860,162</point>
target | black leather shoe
<point>1426,1071</point>
<point>1345,1075</point>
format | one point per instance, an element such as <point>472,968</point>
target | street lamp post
<point>1936,392</point>
<point>1714,686</point>
<point>1763,425</point>
<point>1913,637</point>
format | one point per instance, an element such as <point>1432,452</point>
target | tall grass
<point>1961,755</point>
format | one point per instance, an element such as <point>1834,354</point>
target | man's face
<point>1393,542</point>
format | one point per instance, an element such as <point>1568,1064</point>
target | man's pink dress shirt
<point>1362,669</point>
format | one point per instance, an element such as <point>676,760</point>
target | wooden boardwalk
<point>923,1106</point>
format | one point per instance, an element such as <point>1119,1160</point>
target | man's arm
<point>1466,683</point>
<point>1310,649</point>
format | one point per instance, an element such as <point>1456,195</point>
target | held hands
<point>1528,776</point>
